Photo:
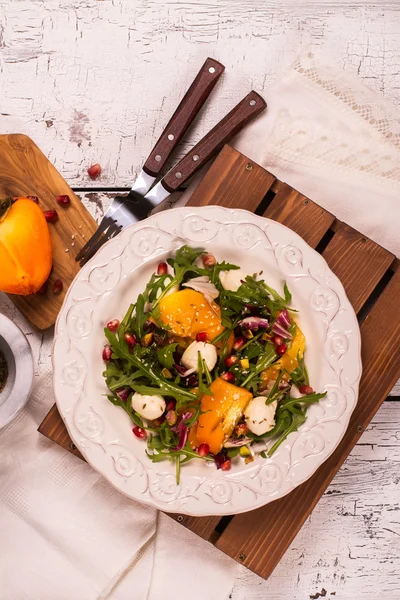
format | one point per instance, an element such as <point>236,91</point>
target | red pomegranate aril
<point>113,325</point>
<point>162,268</point>
<point>170,405</point>
<point>231,360</point>
<point>239,342</point>
<point>277,340</point>
<point>107,353</point>
<point>202,336</point>
<point>240,429</point>
<point>140,432</point>
<point>305,389</point>
<point>203,450</point>
<point>227,376</point>
<point>226,465</point>
<point>208,260</point>
<point>281,349</point>
<point>34,199</point>
<point>51,216</point>
<point>220,458</point>
<point>64,200</point>
<point>58,286</point>
<point>43,289</point>
<point>94,171</point>
<point>130,339</point>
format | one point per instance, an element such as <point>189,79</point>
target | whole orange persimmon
<point>25,247</point>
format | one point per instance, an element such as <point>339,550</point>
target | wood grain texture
<point>53,428</point>
<point>358,262</point>
<point>299,213</point>
<point>234,182</point>
<point>24,170</point>
<point>261,548</point>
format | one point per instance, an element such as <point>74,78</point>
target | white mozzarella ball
<point>208,353</point>
<point>260,417</point>
<point>232,280</point>
<point>148,407</point>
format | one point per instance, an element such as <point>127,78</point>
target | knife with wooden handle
<point>251,106</point>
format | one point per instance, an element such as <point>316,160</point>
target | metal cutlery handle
<point>251,106</point>
<point>182,118</point>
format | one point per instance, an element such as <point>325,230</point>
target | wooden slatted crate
<point>371,277</point>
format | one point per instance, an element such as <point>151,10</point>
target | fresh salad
<point>208,362</point>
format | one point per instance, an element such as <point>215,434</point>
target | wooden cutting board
<point>371,277</point>
<point>25,171</point>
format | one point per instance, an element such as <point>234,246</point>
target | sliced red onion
<point>284,319</point>
<point>123,393</point>
<point>220,458</point>
<point>254,323</point>
<point>182,430</point>
<point>235,443</point>
<point>181,369</point>
<point>278,329</point>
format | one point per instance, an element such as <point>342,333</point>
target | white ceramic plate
<point>103,290</point>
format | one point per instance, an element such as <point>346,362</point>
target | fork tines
<point>107,230</point>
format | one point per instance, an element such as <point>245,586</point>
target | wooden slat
<point>202,526</point>
<point>233,181</point>
<point>53,427</point>
<point>299,213</point>
<point>261,547</point>
<point>358,262</point>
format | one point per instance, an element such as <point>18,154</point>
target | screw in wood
<point>242,557</point>
<point>363,240</point>
<point>72,446</point>
<point>360,428</point>
<point>249,167</point>
<point>179,518</point>
<point>306,202</point>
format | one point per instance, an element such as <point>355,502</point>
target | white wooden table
<point>95,81</point>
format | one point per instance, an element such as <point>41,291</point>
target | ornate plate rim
<point>219,482</point>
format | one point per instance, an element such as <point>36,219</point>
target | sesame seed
<point>66,250</point>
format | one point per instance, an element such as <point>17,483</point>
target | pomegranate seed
<point>230,360</point>
<point>140,432</point>
<point>170,405</point>
<point>171,417</point>
<point>305,389</point>
<point>277,340</point>
<point>64,200</point>
<point>239,342</point>
<point>281,349</point>
<point>130,339</point>
<point>123,393</point>
<point>203,450</point>
<point>226,465</point>
<point>201,337</point>
<point>113,325</point>
<point>94,171</point>
<point>58,286</point>
<point>107,353</point>
<point>227,376</point>
<point>192,381</point>
<point>208,260</point>
<point>220,458</point>
<point>43,289</point>
<point>51,216</point>
<point>34,198</point>
<point>162,268</point>
<point>158,422</point>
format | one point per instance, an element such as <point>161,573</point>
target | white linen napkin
<point>65,532</point>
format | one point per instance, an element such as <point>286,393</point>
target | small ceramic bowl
<point>18,355</point>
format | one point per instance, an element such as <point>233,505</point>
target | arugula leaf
<point>166,355</point>
<point>185,256</point>
<point>297,420</point>
<point>140,317</point>
<point>232,452</point>
<point>299,375</point>
<point>288,295</point>
<point>164,387</point>
<point>263,362</point>
<point>313,398</point>
<point>275,392</point>
<point>203,370</point>
<point>127,408</point>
